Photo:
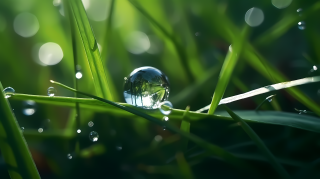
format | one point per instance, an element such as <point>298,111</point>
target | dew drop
<point>119,147</point>
<point>69,156</point>
<point>40,130</point>
<point>165,119</point>
<point>299,11</point>
<point>301,25</point>
<point>146,87</point>
<point>9,91</point>
<point>29,107</point>
<point>93,136</point>
<point>22,129</point>
<point>270,100</point>
<point>79,131</point>
<point>90,124</point>
<point>165,107</point>
<point>51,91</point>
<point>78,75</point>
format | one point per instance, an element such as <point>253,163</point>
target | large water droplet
<point>301,25</point>
<point>90,124</point>
<point>146,87</point>
<point>69,156</point>
<point>93,136</point>
<point>29,107</point>
<point>51,91</point>
<point>165,107</point>
<point>8,91</point>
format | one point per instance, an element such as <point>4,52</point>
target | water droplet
<point>301,25</point>
<point>158,138</point>
<point>22,129</point>
<point>78,75</point>
<point>10,92</point>
<point>51,91</point>
<point>93,136</point>
<point>119,147</point>
<point>40,130</point>
<point>146,87</point>
<point>165,107</point>
<point>254,17</point>
<point>69,156</point>
<point>270,100</point>
<point>90,124</point>
<point>125,78</point>
<point>29,107</point>
<point>165,118</point>
<point>315,68</point>
<point>299,11</point>
<point>79,131</point>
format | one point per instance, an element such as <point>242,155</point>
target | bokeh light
<point>50,53</point>
<point>254,17</point>
<point>26,24</point>
<point>280,4</point>
<point>137,42</point>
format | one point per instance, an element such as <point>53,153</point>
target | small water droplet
<point>315,68</point>
<point>78,75</point>
<point>51,91</point>
<point>164,127</point>
<point>164,107</point>
<point>125,78</point>
<point>79,131</point>
<point>29,107</point>
<point>22,129</point>
<point>119,147</point>
<point>301,25</point>
<point>90,124</point>
<point>69,156</point>
<point>299,11</point>
<point>158,138</point>
<point>93,136</point>
<point>40,130</point>
<point>9,91</point>
<point>165,118</point>
<point>146,87</point>
<point>270,100</point>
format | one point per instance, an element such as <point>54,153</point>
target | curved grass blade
<point>273,161</point>
<point>101,78</point>
<point>215,150</point>
<point>13,145</point>
<point>266,89</point>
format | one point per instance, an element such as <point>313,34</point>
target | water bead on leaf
<point>165,107</point>
<point>301,25</point>
<point>146,87</point>
<point>29,107</point>
<point>9,91</point>
<point>93,136</point>
<point>51,91</point>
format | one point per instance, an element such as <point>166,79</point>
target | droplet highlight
<point>29,107</point>
<point>93,136</point>
<point>51,91</point>
<point>79,131</point>
<point>301,25</point>
<point>165,107</point>
<point>69,156</point>
<point>9,91</point>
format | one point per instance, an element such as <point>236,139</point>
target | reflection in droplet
<point>90,124</point>
<point>146,87</point>
<point>93,136</point>
<point>137,42</point>
<point>254,17</point>
<point>280,4</point>
<point>165,107</point>
<point>50,53</point>
<point>69,156</point>
<point>40,130</point>
<point>9,91</point>
<point>51,91</point>
<point>29,107</point>
<point>3,23</point>
<point>78,75</point>
<point>97,10</point>
<point>301,25</point>
<point>79,131</point>
<point>26,24</point>
<point>158,138</point>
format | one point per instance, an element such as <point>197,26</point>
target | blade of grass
<point>184,167</point>
<point>226,71</point>
<point>101,78</point>
<point>13,145</point>
<point>273,161</point>
<point>185,126</point>
<point>215,150</point>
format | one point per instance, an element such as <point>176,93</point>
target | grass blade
<point>273,161</point>
<point>101,78</point>
<point>13,145</point>
<point>185,126</point>
<point>184,167</point>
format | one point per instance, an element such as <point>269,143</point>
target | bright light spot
<point>78,75</point>
<point>94,139</point>
<point>97,10</point>
<point>79,131</point>
<point>230,48</point>
<point>40,130</point>
<point>28,111</point>
<point>254,17</point>
<point>3,23</point>
<point>280,4</point>
<point>26,24</point>
<point>50,53</point>
<point>56,2</point>
<point>137,42</point>
<point>165,118</point>
<point>86,4</point>
<point>158,138</point>
<point>315,68</point>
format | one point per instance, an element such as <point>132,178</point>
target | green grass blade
<point>184,167</point>
<point>185,126</point>
<point>101,78</point>
<point>13,145</point>
<point>213,149</point>
<point>273,161</point>
<point>226,71</point>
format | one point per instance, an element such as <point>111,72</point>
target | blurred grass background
<point>188,41</point>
